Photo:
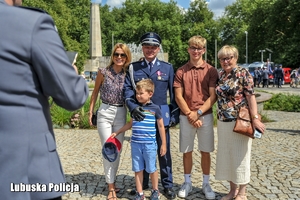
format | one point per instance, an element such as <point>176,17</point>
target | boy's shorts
<point>205,134</point>
<point>144,156</point>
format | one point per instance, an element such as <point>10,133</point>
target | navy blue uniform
<point>162,75</point>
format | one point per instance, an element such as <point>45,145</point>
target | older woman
<point>235,87</point>
<point>112,112</point>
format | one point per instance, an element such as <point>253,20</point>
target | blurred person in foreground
<point>235,88</point>
<point>34,66</point>
<point>194,85</point>
<point>111,115</point>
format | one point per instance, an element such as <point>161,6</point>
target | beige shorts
<point>205,134</point>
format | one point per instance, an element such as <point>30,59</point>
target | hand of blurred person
<point>75,67</point>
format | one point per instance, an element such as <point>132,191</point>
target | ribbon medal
<point>158,75</point>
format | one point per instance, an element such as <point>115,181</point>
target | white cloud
<point>96,1</point>
<point>218,6</point>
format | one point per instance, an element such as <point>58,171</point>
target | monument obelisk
<point>96,58</point>
<point>95,32</point>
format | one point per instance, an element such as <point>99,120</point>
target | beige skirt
<point>233,154</point>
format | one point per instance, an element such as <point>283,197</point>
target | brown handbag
<point>243,123</point>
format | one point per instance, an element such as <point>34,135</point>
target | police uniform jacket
<point>34,66</point>
<point>162,75</point>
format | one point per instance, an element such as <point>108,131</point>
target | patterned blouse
<point>231,92</point>
<point>112,86</point>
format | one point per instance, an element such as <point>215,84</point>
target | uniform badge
<point>167,115</point>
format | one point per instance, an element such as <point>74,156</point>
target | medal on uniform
<point>158,75</point>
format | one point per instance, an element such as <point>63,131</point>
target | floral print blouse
<point>112,86</point>
<point>231,91</point>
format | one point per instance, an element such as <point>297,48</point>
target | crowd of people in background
<point>265,76</point>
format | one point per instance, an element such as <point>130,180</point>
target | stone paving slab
<point>275,163</point>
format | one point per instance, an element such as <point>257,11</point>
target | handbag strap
<point>238,106</point>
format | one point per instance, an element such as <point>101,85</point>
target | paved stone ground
<point>274,165</point>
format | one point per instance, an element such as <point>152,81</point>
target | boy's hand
<point>197,124</point>
<point>113,135</point>
<point>163,150</point>
<point>192,116</point>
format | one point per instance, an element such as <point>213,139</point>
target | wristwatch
<point>255,117</point>
<point>200,112</point>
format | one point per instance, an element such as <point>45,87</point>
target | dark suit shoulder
<point>33,9</point>
<point>136,62</point>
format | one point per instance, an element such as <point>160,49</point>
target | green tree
<point>198,20</point>
<point>272,24</point>
<point>136,17</point>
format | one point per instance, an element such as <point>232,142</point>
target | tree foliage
<point>272,24</point>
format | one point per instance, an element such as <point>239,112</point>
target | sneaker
<point>139,197</point>
<point>209,193</point>
<point>185,189</point>
<point>154,195</point>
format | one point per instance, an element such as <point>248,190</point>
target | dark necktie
<point>150,66</point>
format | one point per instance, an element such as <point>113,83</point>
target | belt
<point>116,105</point>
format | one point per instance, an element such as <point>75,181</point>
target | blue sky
<point>216,6</point>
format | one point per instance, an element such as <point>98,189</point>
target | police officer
<point>162,74</point>
<point>34,66</point>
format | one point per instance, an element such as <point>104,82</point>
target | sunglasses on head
<point>123,55</point>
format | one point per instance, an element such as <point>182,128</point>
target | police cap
<point>151,39</point>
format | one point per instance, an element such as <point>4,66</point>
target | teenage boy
<point>194,86</point>
<point>143,139</point>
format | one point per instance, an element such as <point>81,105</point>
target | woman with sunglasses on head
<point>234,88</point>
<point>111,115</point>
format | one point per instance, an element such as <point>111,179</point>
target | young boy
<point>143,139</point>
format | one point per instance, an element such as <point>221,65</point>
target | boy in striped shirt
<point>143,139</point>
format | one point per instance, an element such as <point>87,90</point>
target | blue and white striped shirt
<point>145,131</point>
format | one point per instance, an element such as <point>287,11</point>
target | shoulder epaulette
<point>38,10</point>
<point>34,9</point>
<point>165,62</point>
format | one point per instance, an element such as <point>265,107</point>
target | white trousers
<point>109,120</point>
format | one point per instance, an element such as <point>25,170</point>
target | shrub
<point>73,119</point>
<point>283,102</point>
<point>60,116</point>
